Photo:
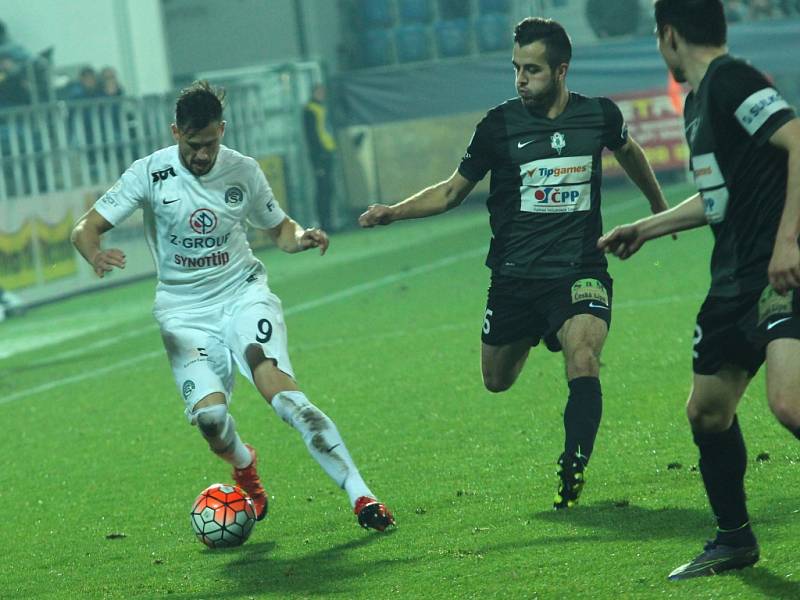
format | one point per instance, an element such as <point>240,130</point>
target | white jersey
<point>196,226</point>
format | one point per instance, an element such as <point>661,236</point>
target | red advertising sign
<point>654,122</point>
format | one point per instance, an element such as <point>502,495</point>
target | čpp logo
<point>554,195</point>
<point>203,221</point>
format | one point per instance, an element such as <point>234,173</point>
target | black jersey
<point>741,177</point>
<point>544,200</point>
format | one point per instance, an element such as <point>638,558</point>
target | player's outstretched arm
<point>632,159</point>
<point>290,237</point>
<point>432,200</point>
<point>625,240</point>
<point>784,266</point>
<point>86,238</point>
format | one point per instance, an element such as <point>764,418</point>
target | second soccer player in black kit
<point>745,156</point>
<point>549,281</point>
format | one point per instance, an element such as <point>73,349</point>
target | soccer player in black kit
<point>549,280</point>
<point>745,155</point>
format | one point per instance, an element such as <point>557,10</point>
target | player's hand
<point>105,260</point>
<point>314,238</point>
<point>376,214</point>
<point>622,241</point>
<point>784,266</point>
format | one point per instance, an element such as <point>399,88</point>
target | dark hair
<point>700,22</point>
<point>198,105</point>
<point>552,34</point>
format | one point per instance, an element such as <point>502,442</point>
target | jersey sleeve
<point>479,157</point>
<point>125,196</point>
<point>746,94</point>
<point>265,212</point>
<point>615,130</point>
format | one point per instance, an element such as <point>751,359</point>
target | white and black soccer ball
<point>223,516</point>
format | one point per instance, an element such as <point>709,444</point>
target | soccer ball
<point>223,516</point>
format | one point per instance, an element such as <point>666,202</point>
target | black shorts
<point>537,308</point>
<point>736,331</point>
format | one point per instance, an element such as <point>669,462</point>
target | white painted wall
<point>125,34</point>
<point>211,35</point>
<point>323,32</point>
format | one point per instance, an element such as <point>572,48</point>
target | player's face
<point>668,49</point>
<point>199,148</point>
<point>537,84</point>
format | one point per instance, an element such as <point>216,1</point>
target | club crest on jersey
<point>233,195</point>
<point>203,221</point>
<point>558,142</point>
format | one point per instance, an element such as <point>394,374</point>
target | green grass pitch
<point>384,337</point>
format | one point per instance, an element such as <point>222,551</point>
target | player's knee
<point>786,407</point>
<point>706,419</point>
<point>583,362</point>
<point>211,420</point>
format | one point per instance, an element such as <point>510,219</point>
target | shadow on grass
<point>768,583</point>
<point>253,572</point>
<point>636,522</point>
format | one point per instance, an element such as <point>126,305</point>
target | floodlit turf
<point>99,466</point>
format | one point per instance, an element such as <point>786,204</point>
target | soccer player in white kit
<point>212,303</point>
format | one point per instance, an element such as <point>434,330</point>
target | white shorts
<point>203,343</point>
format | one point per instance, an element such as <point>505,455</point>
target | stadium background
<point>99,466</point>
<point>408,81</point>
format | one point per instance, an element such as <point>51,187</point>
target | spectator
<point>111,88</point>
<point>109,84</point>
<point>11,49</point>
<point>14,87</point>
<point>86,86</point>
<point>322,149</point>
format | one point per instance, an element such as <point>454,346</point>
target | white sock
<point>322,440</point>
<point>240,455</point>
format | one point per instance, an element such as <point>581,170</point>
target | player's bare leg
<point>320,436</point>
<point>501,365</point>
<point>723,459</point>
<point>783,382</point>
<point>581,338</point>
<point>219,429</point>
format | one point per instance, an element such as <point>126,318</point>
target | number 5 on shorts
<point>486,325</point>
<point>698,337</point>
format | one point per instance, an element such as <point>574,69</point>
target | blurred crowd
<point>92,84</point>
<point>755,10</point>
<point>22,75</point>
<point>26,78</point>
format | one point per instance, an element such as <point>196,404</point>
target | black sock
<point>743,536</point>
<point>723,460</point>
<point>582,416</point>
